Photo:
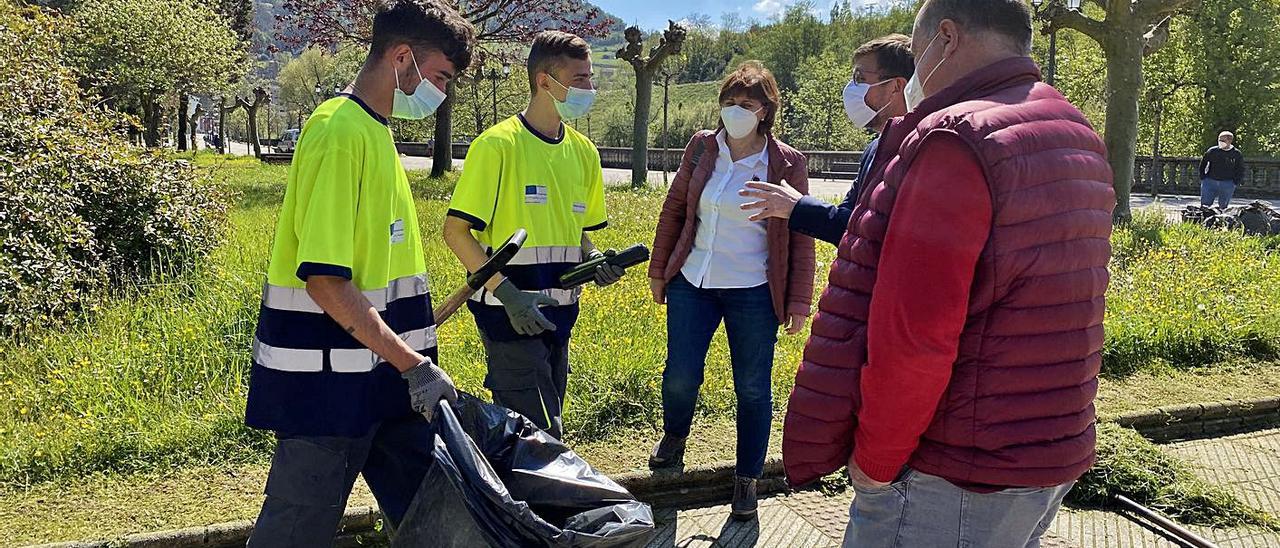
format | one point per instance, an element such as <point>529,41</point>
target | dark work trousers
<point>530,376</point>
<point>311,478</point>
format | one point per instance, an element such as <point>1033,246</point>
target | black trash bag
<point>498,480</point>
<point>1256,219</point>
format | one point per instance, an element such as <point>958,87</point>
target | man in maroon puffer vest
<point>954,356</point>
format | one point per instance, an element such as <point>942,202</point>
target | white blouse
<point>729,251</point>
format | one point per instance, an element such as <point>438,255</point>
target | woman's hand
<point>658,287</point>
<point>795,323</point>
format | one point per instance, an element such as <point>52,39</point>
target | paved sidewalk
<point>808,519</point>
<point>1246,464</point>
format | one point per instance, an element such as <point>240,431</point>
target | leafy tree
<point>299,78</point>
<point>141,52</point>
<point>498,23</point>
<point>814,113</point>
<point>786,44</point>
<point>1127,31</point>
<point>646,66</point>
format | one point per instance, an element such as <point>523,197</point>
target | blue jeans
<point>693,315</point>
<point>1211,189</point>
<point>919,509</point>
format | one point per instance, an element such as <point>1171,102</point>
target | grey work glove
<point>428,384</point>
<point>522,308</point>
<point>606,274</point>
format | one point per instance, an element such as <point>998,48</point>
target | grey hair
<point>1007,19</point>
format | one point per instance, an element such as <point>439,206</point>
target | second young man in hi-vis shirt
<point>532,171</point>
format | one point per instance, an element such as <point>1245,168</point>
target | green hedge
<point>79,207</point>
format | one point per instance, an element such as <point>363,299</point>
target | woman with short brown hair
<point>712,262</point>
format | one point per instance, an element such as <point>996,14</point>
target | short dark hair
<point>893,55</point>
<point>753,80</point>
<point>550,47</point>
<point>1010,19</point>
<point>426,25</point>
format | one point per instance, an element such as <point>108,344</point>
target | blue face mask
<point>425,100</point>
<point>576,103</point>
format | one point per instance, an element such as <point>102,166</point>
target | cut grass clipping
<point>1130,465</point>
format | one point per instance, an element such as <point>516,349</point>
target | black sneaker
<point>669,453</point>
<point>744,498</point>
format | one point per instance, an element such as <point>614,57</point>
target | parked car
<point>288,141</point>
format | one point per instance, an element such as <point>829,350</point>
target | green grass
<point>1185,296</point>
<point>1130,465</point>
<point>155,377</point>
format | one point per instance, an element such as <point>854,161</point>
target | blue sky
<point>652,14</point>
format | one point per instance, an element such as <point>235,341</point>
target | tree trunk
<point>222,125</point>
<point>183,100</point>
<point>1124,83</point>
<point>252,111</point>
<point>151,122</point>
<point>442,156</point>
<point>666,138</point>
<point>1157,175</point>
<point>640,133</point>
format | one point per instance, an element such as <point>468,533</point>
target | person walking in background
<point>874,96</point>
<point>533,171</point>
<point>711,264</point>
<point>1221,170</point>
<point>344,357</point>
<point>954,357</point>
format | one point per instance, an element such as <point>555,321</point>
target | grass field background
<point>155,376</point>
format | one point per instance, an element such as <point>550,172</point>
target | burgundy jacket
<point>1018,410</point>
<point>791,255</point>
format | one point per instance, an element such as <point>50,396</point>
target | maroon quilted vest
<point>1019,407</point>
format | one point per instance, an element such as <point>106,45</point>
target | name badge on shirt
<point>534,194</point>
<point>397,231</point>
<point>579,207</point>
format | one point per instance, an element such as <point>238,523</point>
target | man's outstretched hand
<point>772,200</point>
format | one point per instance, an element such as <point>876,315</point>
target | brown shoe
<point>744,499</point>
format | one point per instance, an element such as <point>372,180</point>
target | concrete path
<point>1246,464</point>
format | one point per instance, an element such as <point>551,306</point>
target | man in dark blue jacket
<point>1221,170</point>
<point>881,69</point>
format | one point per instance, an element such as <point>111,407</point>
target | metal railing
<point>1174,175</point>
<point>1182,176</point>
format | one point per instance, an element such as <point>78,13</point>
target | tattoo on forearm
<point>351,330</point>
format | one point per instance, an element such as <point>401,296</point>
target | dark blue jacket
<point>826,222</point>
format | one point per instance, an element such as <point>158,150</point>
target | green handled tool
<point>497,261</point>
<point>586,271</point>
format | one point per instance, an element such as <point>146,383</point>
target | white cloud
<point>768,8</point>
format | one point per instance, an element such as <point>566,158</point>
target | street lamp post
<point>1051,73</point>
<point>493,77</point>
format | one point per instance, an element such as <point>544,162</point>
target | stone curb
<point>1200,420</point>
<point>713,483</point>
<point>697,485</point>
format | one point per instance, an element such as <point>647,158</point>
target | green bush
<point>1130,465</point>
<point>80,207</point>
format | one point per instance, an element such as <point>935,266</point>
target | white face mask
<point>425,100</point>
<point>1224,145</point>
<point>738,121</point>
<point>576,103</point>
<point>914,94</point>
<point>855,103</point>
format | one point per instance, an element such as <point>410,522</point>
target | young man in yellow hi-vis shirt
<point>532,171</point>
<point>344,357</point>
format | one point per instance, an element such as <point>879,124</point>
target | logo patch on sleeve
<point>535,194</point>
<point>397,231</point>
<point>579,207</point>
